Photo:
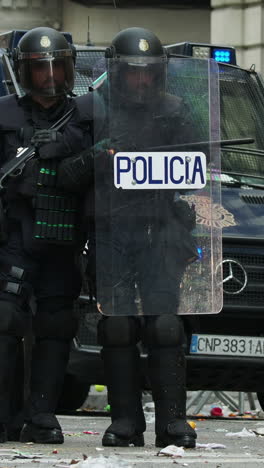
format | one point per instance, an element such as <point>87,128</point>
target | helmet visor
<point>138,79</point>
<point>46,74</point>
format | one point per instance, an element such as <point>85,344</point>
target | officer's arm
<point>77,134</point>
<point>194,129</point>
<point>74,139</point>
<point>77,172</point>
<point>185,130</point>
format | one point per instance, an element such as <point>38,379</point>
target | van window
<point>242,116</point>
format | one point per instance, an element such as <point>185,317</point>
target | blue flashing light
<point>222,55</point>
<point>200,253</point>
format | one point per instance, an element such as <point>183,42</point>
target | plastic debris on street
<point>172,451</point>
<point>243,433</point>
<point>102,462</point>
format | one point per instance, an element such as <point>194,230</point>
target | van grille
<point>253,199</point>
<point>252,261</point>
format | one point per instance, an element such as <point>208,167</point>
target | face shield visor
<point>137,79</point>
<point>46,73</point>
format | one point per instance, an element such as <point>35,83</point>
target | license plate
<point>160,170</point>
<point>224,345</point>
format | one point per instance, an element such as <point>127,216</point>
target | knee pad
<point>164,331</point>
<point>118,331</point>
<point>55,318</point>
<point>14,320</point>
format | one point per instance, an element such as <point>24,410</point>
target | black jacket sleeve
<point>76,173</point>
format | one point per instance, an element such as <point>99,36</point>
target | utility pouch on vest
<point>55,210</point>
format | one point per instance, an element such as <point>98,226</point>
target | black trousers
<point>52,277</point>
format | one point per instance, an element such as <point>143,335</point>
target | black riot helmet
<point>44,62</point>
<point>137,66</point>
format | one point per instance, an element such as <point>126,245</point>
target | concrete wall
<point>234,22</point>
<point>240,23</point>
<point>27,14</point>
<point>171,25</point>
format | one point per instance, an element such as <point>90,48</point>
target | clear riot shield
<point>157,188</point>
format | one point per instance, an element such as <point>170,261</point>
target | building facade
<point>238,23</point>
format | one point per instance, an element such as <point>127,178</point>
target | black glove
<point>185,213</point>
<point>51,145</point>
<point>44,136</point>
<point>76,172</point>
<point>103,147</point>
<point>111,146</point>
<point>102,154</point>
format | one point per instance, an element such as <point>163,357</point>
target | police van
<point>224,351</point>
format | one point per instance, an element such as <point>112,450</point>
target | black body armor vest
<point>53,210</point>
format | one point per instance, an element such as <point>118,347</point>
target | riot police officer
<point>44,235</point>
<point>136,248</point>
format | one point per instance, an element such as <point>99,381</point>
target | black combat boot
<point>42,429</point>
<point>167,375</point>
<point>49,363</point>
<point>122,371</point>
<point>3,433</point>
<point>14,428</point>
<point>8,359</point>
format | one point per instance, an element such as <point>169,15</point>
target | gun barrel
<point>10,168</point>
<point>14,164</point>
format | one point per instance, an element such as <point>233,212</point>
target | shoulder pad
<point>84,105</point>
<point>11,113</point>
<point>90,106</point>
<point>172,104</point>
